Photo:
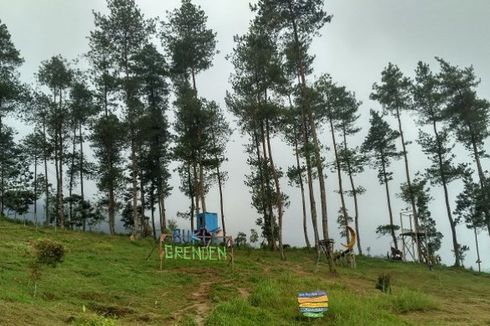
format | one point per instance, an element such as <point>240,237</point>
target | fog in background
<point>362,38</point>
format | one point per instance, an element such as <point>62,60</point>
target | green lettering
<point>196,252</point>
<point>211,252</point>
<point>178,252</point>
<point>205,253</point>
<point>187,254</point>
<point>221,253</point>
<point>169,252</point>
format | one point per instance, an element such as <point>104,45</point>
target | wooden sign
<point>313,304</point>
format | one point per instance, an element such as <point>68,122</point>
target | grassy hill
<point>107,281</point>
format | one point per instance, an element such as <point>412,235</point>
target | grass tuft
<point>406,300</point>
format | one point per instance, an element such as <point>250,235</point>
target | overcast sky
<point>362,38</point>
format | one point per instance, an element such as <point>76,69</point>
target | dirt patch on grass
<point>111,311</point>
<point>200,304</point>
<point>244,293</point>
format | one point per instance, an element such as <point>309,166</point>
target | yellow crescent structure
<point>353,238</point>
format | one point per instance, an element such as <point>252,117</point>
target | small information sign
<point>313,304</point>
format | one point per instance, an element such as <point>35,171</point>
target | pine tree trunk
<point>161,201</point>
<point>56,215</point>
<point>200,196</point>
<point>354,196</point>
<point>82,193</point>
<point>272,219</point>
<point>321,176</point>
<point>301,186</point>
<point>279,203</point>
<point>201,187</point>
<point>46,181</point>
<point>152,211</point>
<point>479,168</point>
<point>35,188</point>
<point>196,187</point>
<point>388,199</point>
<point>72,172</point>
<point>2,172</point>
<point>222,210</point>
<point>262,184</point>
<point>111,205</point>
<point>132,131</point>
<point>300,179</point>
<point>191,195</point>
<point>142,199</point>
<point>56,161</point>
<point>60,199</point>
<point>163,217</point>
<point>412,197</point>
<point>341,186</point>
<point>444,182</point>
<point>316,146</point>
<point>477,250</point>
<point>112,210</point>
<point>60,191</point>
<point>134,177</point>
<point>311,193</point>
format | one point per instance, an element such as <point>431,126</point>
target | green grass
<point>107,281</point>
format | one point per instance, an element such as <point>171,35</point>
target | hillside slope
<point>107,281</point>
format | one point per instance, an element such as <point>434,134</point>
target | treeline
<point>120,107</point>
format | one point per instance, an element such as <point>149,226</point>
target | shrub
<point>48,252</point>
<point>384,283</point>
<point>45,252</point>
<point>96,321</point>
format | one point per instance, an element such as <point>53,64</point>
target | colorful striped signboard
<point>313,304</point>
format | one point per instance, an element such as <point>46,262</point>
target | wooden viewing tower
<point>411,238</point>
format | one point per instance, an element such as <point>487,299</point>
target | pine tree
<point>107,140</point>
<point>395,97</point>
<point>380,146</point>
<point>118,38</point>
<point>297,131</point>
<point>154,136</point>
<point>428,99</point>
<point>351,160</point>
<point>429,237</point>
<point>191,45</point>
<point>296,174</point>
<point>467,114</point>
<point>220,134</point>
<point>10,92</point>
<point>298,21</point>
<point>32,146</point>
<point>332,98</point>
<point>56,74</point>
<point>257,75</point>
<point>472,207</point>
<point>82,108</point>
<point>37,114</point>
<point>9,161</point>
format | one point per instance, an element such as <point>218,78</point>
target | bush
<point>384,283</point>
<point>97,321</point>
<point>48,252</point>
